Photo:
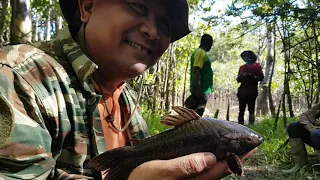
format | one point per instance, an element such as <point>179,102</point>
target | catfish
<point>227,140</point>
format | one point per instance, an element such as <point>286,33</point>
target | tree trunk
<point>284,112</point>
<point>289,74</point>
<point>21,25</point>
<point>156,89</point>
<point>6,33</point>
<point>168,76</point>
<point>276,118</point>
<point>4,6</point>
<point>285,81</point>
<point>48,24</point>
<point>35,34</point>
<point>271,103</point>
<point>58,24</point>
<point>262,105</point>
<point>174,75</point>
<point>316,44</point>
<point>185,82</point>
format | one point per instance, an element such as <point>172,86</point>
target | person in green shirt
<point>201,76</point>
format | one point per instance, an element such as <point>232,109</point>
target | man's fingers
<point>221,169</point>
<point>190,165</point>
<point>217,171</point>
<point>200,166</point>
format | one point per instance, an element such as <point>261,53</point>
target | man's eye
<point>140,9</point>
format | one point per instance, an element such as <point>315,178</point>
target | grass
<point>273,160</point>
<point>153,121</point>
<point>269,161</point>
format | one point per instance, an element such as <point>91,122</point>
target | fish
<point>227,140</point>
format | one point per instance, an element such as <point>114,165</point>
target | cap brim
<point>179,12</point>
<point>178,9</point>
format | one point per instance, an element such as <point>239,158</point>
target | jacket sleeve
<point>239,76</point>
<point>30,137</point>
<point>260,75</point>
<point>309,118</point>
<point>199,58</point>
<point>25,142</point>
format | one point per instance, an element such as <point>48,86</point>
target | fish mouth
<point>261,139</point>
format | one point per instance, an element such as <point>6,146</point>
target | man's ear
<point>85,7</point>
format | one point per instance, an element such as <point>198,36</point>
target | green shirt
<point>199,58</point>
<point>56,125</point>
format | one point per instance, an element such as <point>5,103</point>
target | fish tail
<point>117,163</point>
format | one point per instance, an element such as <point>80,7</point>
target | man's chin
<point>138,69</point>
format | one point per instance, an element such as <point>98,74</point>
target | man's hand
<point>242,75</point>
<point>200,166</point>
<point>246,74</point>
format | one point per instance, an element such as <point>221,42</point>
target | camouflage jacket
<point>55,127</point>
<point>309,118</point>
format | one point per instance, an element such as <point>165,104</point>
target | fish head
<point>239,139</point>
<point>247,142</point>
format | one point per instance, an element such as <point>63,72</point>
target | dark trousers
<point>202,105</point>
<point>197,103</point>
<point>297,130</point>
<point>249,100</point>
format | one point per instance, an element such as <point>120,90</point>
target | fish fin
<point>235,164</point>
<point>184,115</point>
<point>232,136</point>
<point>116,163</point>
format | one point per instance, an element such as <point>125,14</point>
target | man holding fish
<point>65,101</point>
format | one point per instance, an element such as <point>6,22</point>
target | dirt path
<point>269,172</point>
<point>257,172</point>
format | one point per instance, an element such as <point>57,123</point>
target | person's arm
<point>196,81</point>
<point>259,76</point>
<point>202,166</point>
<point>199,60</point>
<point>26,137</point>
<point>239,76</point>
<point>25,152</point>
<point>309,117</point>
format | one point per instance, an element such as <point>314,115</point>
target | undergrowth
<point>269,160</point>
<point>153,122</point>
<point>272,159</point>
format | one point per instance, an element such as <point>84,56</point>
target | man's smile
<point>139,46</point>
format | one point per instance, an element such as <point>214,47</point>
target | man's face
<point>125,37</point>
<point>247,56</point>
<point>210,46</point>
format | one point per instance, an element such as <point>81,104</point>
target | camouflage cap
<point>178,10</point>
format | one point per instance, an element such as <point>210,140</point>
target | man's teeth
<point>137,46</point>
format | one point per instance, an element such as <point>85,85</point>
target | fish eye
<point>249,139</point>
